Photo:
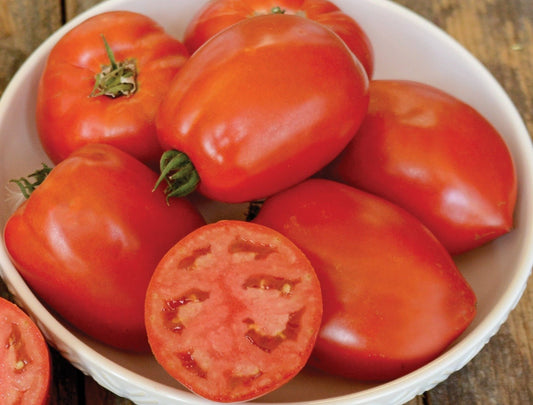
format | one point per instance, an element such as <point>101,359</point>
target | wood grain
<point>500,34</point>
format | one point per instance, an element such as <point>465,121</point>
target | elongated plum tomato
<point>219,14</point>
<point>89,238</point>
<point>262,106</point>
<point>393,297</point>
<point>118,108</point>
<point>233,310</point>
<point>24,358</point>
<point>438,158</point>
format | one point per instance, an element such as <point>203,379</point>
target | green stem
<point>116,79</point>
<point>277,10</point>
<point>27,186</point>
<point>179,173</point>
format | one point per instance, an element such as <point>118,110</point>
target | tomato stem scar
<point>116,79</point>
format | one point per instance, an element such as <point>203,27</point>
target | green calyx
<point>117,79</point>
<point>277,10</point>
<point>179,173</point>
<point>27,185</point>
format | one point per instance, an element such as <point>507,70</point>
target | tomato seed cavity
<point>268,282</point>
<point>172,307</point>
<point>189,363</point>
<point>260,250</point>
<point>267,343</point>
<point>188,262</point>
<point>15,343</point>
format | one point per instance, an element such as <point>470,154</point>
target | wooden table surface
<point>500,34</point>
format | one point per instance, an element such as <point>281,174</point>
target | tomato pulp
<point>233,310</point>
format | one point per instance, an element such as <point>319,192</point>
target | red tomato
<point>263,105</point>
<point>393,297</point>
<point>436,157</point>
<point>68,117</point>
<point>233,310</point>
<point>217,15</point>
<point>89,238</point>
<point>24,358</point>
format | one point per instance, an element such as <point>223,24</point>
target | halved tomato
<point>233,310</point>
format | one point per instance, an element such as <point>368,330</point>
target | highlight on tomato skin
<point>393,297</point>
<point>233,310</point>
<point>438,158</point>
<point>25,364</point>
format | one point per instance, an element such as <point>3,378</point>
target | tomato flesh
<point>232,311</point>
<point>24,358</point>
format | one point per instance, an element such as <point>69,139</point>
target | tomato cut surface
<point>233,310</point>
<point>24,358</point>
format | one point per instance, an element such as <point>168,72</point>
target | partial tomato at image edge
<point>25,364</point>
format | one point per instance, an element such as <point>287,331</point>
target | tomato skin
<point>393,297</point>
<point>256,115</point>
<point>89,237</point>
<point>220,14</point>
<point>233,310</point>
<point>67,117</point>
<point>24,358</point>
<point>436,157</point>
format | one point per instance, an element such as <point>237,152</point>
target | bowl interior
<point>406,47</point>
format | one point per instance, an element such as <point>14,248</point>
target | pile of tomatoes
<point>364,190</point>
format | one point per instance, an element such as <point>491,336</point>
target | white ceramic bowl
<point>407,47</point>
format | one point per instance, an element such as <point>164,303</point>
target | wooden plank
<point>75,7</point>
<point>24,24</point>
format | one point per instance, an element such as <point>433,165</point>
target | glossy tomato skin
<point>217,15</point>
<point>393,297</point>
<point>89,237</point>
<point>233,310</point>
<point>24,358</point>
<point>436,157</point>
<point>67,117</point>
<point>264,105</point>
